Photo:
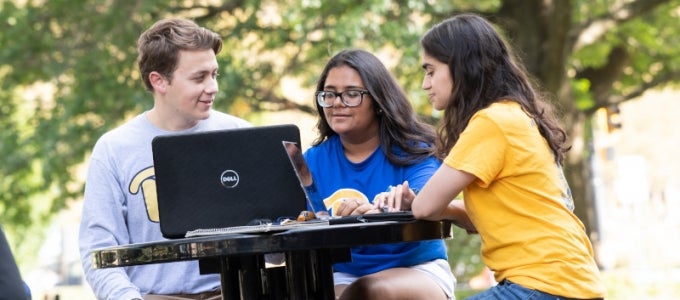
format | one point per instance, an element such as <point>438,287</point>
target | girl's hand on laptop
<point>353,206</point>
<point>395,198</point>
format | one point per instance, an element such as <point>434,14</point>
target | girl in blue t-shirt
<point>369,140</point>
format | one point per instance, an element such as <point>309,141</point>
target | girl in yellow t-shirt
<point>503,148</point>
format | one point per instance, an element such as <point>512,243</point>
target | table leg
<point>241,277</point>
<point>309,274</point>
<point>275,283</point>
<point>297,266</point>
<point>229,278</point>
<point>323,275</point>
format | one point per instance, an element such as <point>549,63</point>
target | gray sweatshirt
<point>120,208</point>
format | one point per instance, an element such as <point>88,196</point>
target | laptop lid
<point>304,175</point>
<point>225,178</point>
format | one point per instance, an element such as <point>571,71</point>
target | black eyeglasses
<point>350,98</point>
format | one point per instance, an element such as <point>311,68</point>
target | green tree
<point>68,73</point>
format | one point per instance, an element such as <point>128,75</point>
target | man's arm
<point>103,225</point>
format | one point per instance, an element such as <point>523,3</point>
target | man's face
<point>189,95</point>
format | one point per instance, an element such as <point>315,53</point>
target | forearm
<point>436,201</point>
<point>457,213</point>
<point>113,283</point>
<point>450,212</point>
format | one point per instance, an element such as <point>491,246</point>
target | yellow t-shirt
<point>521,205</point>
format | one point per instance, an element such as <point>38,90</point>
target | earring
<point>380,112</point>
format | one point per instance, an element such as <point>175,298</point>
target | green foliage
<point>648,39</point>
<point>651,42</point>
<point>582,98</point>
<point>464,255</point>
<point>594,55</point>
<point>68,72</point>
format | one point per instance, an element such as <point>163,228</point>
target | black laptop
<point>225,178</point>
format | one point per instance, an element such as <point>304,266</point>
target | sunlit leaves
<point>85,51</point>
<point>582,97</point>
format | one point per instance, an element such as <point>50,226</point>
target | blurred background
<point>68,74</point>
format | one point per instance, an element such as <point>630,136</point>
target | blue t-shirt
<point>333,171</point>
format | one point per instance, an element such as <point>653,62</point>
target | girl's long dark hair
<point>484,71</point>
<point>399,125</point>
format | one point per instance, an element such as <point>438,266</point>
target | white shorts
<point>438,269</point>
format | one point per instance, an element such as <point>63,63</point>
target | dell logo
<point>229,178</point>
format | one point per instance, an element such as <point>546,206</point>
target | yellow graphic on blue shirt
<point>145,181</point>
<point>333,201</point>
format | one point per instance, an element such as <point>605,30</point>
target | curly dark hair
<point>484,70</point>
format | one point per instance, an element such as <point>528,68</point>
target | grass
<point>648,285</point>
<point>625,284</point>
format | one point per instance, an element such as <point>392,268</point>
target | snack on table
<point>305,215</point>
